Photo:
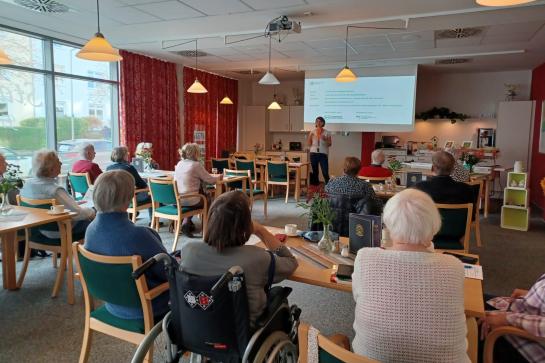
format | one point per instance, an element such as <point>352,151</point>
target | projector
<point>282,23</point>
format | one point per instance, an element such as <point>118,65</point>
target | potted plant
<point>469,161</point>
<point>11,181</point>
<point>320,211</point>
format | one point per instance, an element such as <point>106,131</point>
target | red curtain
<point>203,112</point>
<point>149,109</point>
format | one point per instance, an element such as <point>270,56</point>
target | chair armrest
<point>192,195</point>
<point>141,190</point>
<point>501,331</point>
<point>156,291</point>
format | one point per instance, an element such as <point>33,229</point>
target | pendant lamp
<point>502,2</point>
<point>4,59</point>
<point>346,74</point>
<point>269,79</point>
<point>226,101</point>
<point>98,48</point>
<point>274,104</point>
<point>197,87</point>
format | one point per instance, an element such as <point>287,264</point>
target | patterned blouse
<point>459,173</point>
<point>352,185</point>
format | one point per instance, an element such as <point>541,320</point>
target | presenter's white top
<point>319,145</point>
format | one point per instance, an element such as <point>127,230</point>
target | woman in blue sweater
<point>113,234</point>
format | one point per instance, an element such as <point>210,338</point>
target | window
<point>49,98</point>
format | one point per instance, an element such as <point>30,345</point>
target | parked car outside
<point>69,152</point>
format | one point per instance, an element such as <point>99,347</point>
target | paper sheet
<point>473,271</point>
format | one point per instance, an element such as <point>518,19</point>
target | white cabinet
<point>514,132</point>
<point>289,118</point>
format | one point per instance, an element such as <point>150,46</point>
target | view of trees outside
<point>84,109</point>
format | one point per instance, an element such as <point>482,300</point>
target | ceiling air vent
<point>191,53</point>
<point>43,6</point>
<point>453,61</point>
<point>458,33</point>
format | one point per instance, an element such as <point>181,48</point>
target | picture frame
<point>467,144</point>
<point>449,144</point>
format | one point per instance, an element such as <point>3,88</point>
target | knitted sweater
<point>409,307</point>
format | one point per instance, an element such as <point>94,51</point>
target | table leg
<point>219,187</point>
<point>297,184</point>
<point>262,177</point>
<point>486,196</point>
<point>8,260</point>
<point>70,277</point>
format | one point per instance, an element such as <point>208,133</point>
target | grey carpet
<point>36,328</point>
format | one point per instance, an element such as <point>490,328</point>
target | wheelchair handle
<point>149,263</point>
<point>226,278</point>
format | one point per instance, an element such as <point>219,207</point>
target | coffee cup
<point>56,209</point>
<point>214,170</point>
<point>290,229</point>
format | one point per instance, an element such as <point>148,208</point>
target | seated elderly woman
<point>113,234</point>
<point>46,167</point>
<point>189,175</point>
<point>349,194</point>
<point>409,300</point>
<point>229,227</point>
<point>376,169</point>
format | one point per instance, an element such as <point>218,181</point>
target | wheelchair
<point>208,319</point>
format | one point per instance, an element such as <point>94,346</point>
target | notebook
<point>363,231</point>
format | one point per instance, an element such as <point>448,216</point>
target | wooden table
<point>262,164</point>
<point>310,273</point>
<point>8,236</point>
<point>157,174</point>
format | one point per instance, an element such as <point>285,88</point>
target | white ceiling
<point>511,38</point>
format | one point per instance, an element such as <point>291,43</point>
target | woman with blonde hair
<point>189,174</point>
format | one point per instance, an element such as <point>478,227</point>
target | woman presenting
<point>319,141</point>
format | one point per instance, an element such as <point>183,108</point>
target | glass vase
<point>326,242</point>
<point>5,207</point>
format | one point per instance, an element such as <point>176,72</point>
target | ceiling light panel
<point>170,10</point>
<point>275,4</point>
<point>218,7</point>
<point>130,15</point>
<point>412,36</point>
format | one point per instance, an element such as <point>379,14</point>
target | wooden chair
<point>135,206</point>
<point>472,337</point>
<point>328,351</point>
<point>455,227</point>
<point>109,279</point>
<point>79,184</point>
<point>167,203</point>
<point>251,187</point>
<point>277,173</point>
<point>247,165</point>
<point>488,355</point>
<point>477,187</point>
<point>36,240</point>
<point>220,164</point>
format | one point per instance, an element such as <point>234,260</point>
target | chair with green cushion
<point>220,164</point>
<point>251,188</point>
<point>36,240</point>
<point>132,210</point>
<point>109,279</point>
<point>247,165</point>
<point>277,173</point>
<point>79,184</point>
<point>167,203</point>
<point>455,227</point>
<point>328,351</point>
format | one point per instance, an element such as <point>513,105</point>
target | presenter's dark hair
<point>320,118</point>
<point>229,221</point>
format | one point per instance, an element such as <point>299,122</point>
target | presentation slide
<point>383,103</point>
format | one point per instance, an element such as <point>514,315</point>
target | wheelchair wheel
<point>277,348</point>
<point>158,341</point>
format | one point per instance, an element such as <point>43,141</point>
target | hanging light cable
<point>197,87</point>
<point>98,48</point>
<point>269,79</point>
<point>346,74</point>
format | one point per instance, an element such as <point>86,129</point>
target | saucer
<point>292,234</point>
<point>52,213</point>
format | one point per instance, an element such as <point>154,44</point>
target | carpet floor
<point>36,328</point>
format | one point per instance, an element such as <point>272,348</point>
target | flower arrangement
<point>12,180</point>
<point>394,164</point>
<point>470,160</point>
<point>319,211</point>
<point>146,154</point>
<point>442,112</point>
<point>257,148</point>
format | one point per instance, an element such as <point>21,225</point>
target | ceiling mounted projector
<point>282,23</point>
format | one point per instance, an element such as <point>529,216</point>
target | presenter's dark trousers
<point>321,160</point>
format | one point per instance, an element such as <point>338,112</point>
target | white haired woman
<point>376,169</point>
<point>409,300</point>
<point>189,174</point>
<point>47,167</point>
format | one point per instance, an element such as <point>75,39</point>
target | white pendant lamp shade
<point>99,49</point>
<point>346,75</point>
<point>226,101</point>
<point>4,59</point>
<point>269,79</point>
<point>502,2</point>
<point>197,87</point>
<point>274,106</point>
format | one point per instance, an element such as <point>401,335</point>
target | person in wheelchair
<point>113,234</point>
<point>229,227</point>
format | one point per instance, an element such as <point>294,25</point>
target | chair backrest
<point>79,183</point>
<point>220,164</point>
<point>455,226</point>
<point>40,204</point>
<point>163,191</point>
<point>109,279</point>
<point>246,165</point>
<point>237,184</point>
<point>221,318</point>
<point>277,172</point>
<point>477,188</point>
<point>328,351</point>
<point>375,179</point>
